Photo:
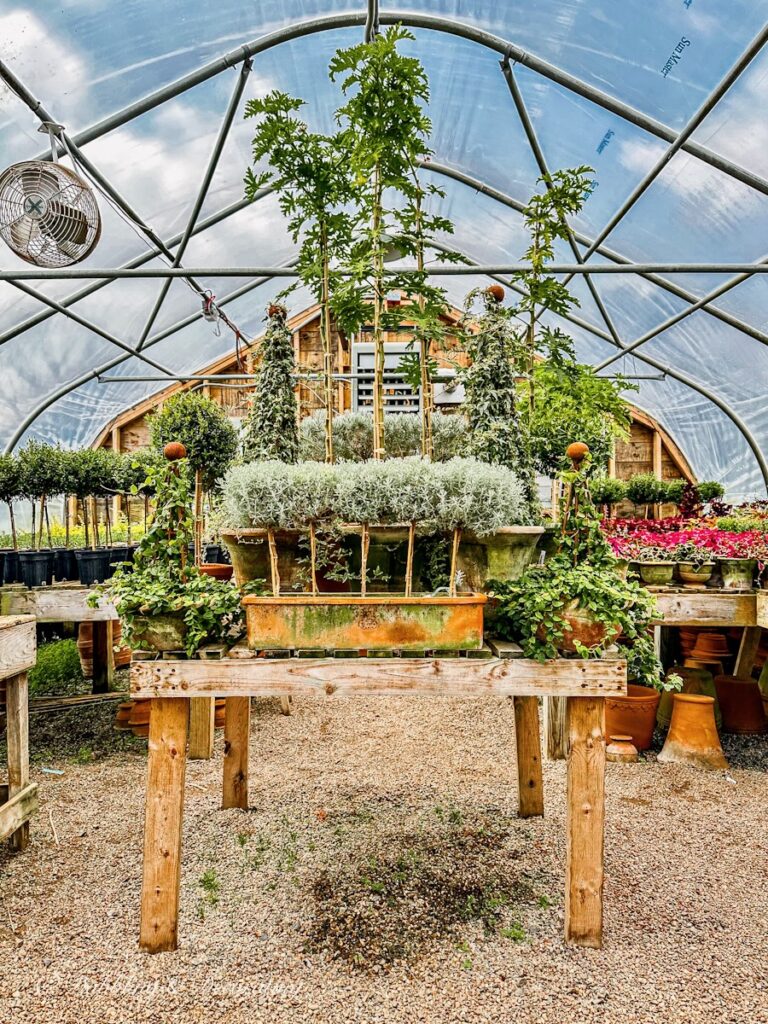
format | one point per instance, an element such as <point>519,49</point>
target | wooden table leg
<point>529,777</point>
<point>103,656</point>
<point>201,728</point>
<point>168,721</point>
<point>585,821</point>
<point>17,713</point>
<point>237,728</point>
<point>556,728</point>
<point>745,659</point>
<point>286,705</point>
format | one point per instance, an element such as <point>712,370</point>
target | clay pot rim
<point>693,698</point>
<point>620,739</point>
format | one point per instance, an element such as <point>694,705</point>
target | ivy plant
<point>160,582</point>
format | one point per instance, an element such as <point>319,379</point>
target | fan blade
<point>22,232</point>
<point>65,223</point>
<point>39,179</point>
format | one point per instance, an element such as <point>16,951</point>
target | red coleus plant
<point>649,544</point>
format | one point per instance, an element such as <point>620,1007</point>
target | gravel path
<point>382,876</point>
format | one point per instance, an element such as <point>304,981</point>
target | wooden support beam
<point>18,644</point>
<point>59,603</point>
<point>201,728</point>
<point>458,677</point>
<point>585,822</point>
<point>237,729</point>
<point>17,718</point>
<point>745,659</point>
<point>15,814</point>
<point>556,727</point>
<point>103,657</point>
<point>162,826</point>
<point>529,776</point>
<point>713,608</point>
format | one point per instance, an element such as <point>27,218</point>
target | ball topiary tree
<point>271,430</point>
<point>10,489</point>
<point>210,441</point>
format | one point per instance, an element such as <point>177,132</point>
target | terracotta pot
<point>633,714</point>
<point>695,680</point>
<point>710,646</point>
<point>249,552</point>
<point>692,736</point>
<point>621,750</point>
<point>218,570</point>
<point>738,573</point>
<point>709,665</point>
<point>219,715</point>
<point>741,704</point>
<point>692,575</point>
<point>656,574</point>
<point>85,647</point>
<point>123,716</point>
<point>688,638</point>
<point>503,555</point>
<point>580,626</point>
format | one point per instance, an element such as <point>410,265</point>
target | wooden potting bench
<point>172,685</point>
<point>685,606</point>
<point>18,651</point>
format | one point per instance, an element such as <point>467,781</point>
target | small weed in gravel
<point>210,887</point>
<point>414,889</point>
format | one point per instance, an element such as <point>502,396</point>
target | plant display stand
<point>173,685</point>
<point>18,647</point>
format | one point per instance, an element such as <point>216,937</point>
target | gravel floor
<point>382,875</point>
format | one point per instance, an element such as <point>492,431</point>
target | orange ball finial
<point>496,292</point>
<point>174,451</point>
<point>577,451</point>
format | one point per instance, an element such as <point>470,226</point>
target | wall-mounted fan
<point>48,214</point>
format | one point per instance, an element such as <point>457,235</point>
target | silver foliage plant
<point>461,493</point>
<point>353,436</point>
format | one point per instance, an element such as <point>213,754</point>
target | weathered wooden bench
<point>173,685</point>
<point>18,647</point>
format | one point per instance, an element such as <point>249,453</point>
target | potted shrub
<point>84,477</point>
<point>210,441</point>
<point>164,602</point>
<point>10,491</point>
<point>40,468</point>
<point>607,492</point>
<point>645,490</point>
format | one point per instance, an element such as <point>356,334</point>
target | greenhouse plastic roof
<point>666,99</point>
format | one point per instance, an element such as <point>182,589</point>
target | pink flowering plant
<point>644,540</point>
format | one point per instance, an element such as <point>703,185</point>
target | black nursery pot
<point>36,568</point>
<point>212,553</point>
<point>93,566</point>
<point>62,565</point>
<point>118,553</point>
<point>11,572</point>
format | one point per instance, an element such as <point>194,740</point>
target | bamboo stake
<point>14,535</point>
<point>42,521</point>
<point>48,527</point>
<point>313,556</point>
<point>378,342</point>
<point>409,559</point>
<point>273,567</point>
<point>454,558</point>
<point>427,448</point>
<point>95,518</point>
<point>365,540</point>
<point>66,520</point>
<point>198,525</point>
<point>325,331</point>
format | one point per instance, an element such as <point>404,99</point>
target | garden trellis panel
<point>664,100</point>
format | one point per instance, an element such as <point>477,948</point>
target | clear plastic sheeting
<point>604,84</point>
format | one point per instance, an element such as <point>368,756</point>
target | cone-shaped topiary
<point>270,430</point>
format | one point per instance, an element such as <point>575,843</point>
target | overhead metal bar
<point>672,320</point>
<point>669,286</point>
<point>448,270</point>
<point>73,385</point>
<point>137,261</point>
<point>704,110</point>
<point>372,21</point>
<point>111,338</point>
<point>432,23</point>
<point>210,170</point>
<point>538,153</point>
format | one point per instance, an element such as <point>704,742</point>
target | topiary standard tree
<point>311,174</point>
<point>10,489</point>
<point>210,441</point>
<point>271,430</point>
<point>385,130</point>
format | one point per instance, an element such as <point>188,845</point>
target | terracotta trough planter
<point>374,622</point>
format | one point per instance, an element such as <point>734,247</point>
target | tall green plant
<point>311,173</point>
<point>41,476</point>
<point>385,132</point>
<point>10,489</point>
<point>270,430</point>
